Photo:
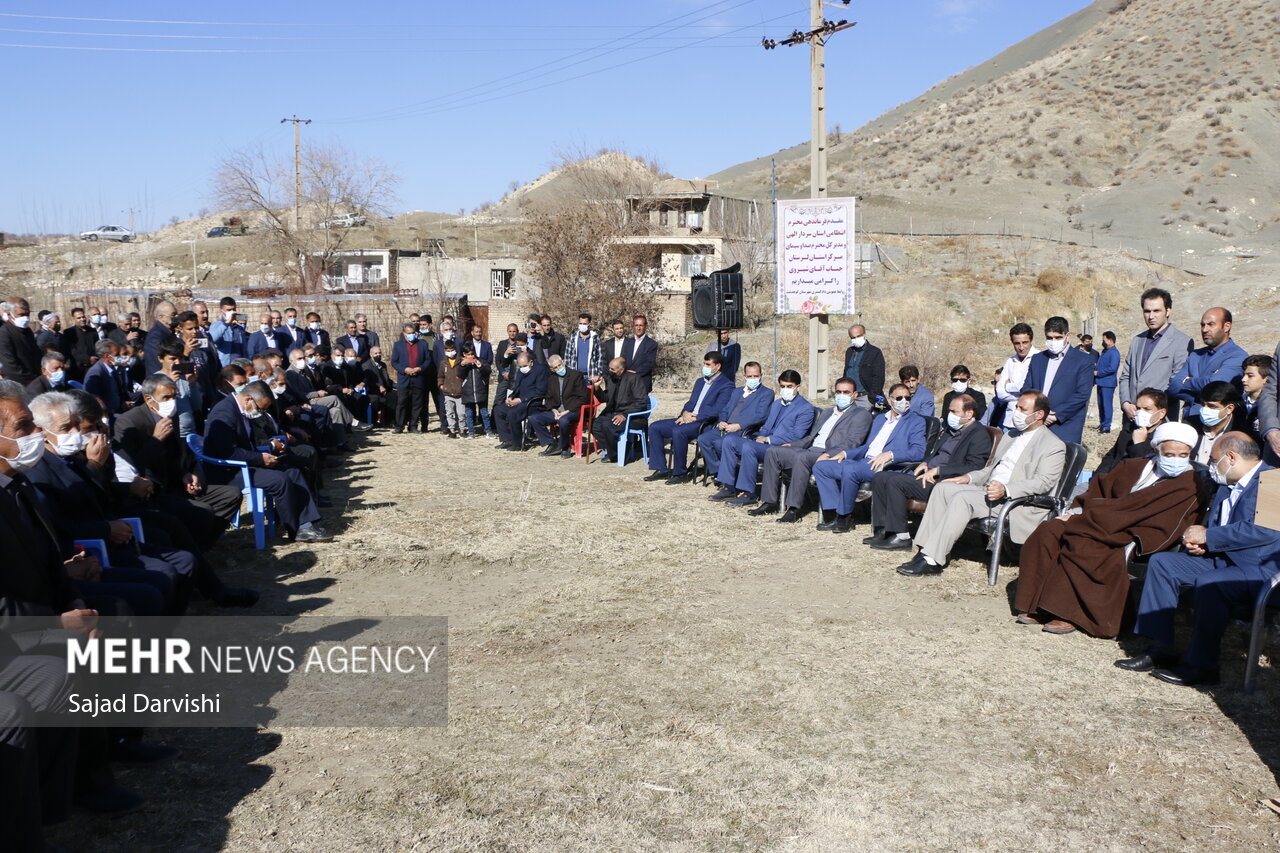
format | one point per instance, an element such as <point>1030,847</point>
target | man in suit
<point>354,340</point>
<point>49,334</point>
<point>315,329</point>
<point>1104,378</point>
<point>362,327</point>
<point>641,351</point>
<point>1028,462</point>
<point>1220,359</point>
<point>897,435</point>
<point>53,376</point>
<point>549,340</point>
<point>101,322</point>
<point>378,385</point>
<point>1155,356</point>
<point>296,332</point>
<point>1013,376</point>
<point>960,376</point>
<point>615,345</point>
<point>1226,561</point>
<point>744,412</point>
<point>228,335</point>
<point>705,402</point>
<point>77,344</point>
<point>623,393</point>
<point>846,425</point>
<point>264,338</point>
<point>353,377</point>
<point>583,352</point>
<point>483,349</point>
<point>790,416</point>
<point>1065,375</point>
<point>922,402</point>
<point>964,447</point>
<point>161,331</point>
<point>19,355</point>
<point>411,361</point>
<point>731,351</point>
<point>105,381</point>
<point>504,358</point>
<point>566,395</point>
<point>864,364</point>
<point>526,389</point>
<point>227,435</point>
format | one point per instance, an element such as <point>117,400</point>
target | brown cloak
<point>1076,569</point>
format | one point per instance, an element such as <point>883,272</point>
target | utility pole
<point>131,212</point>
<point>819,30</point>
<point>297,168</point>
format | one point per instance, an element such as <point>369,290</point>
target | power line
<point>236,50</point>
<point>344,39</point>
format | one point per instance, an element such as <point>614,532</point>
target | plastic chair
<point>260,504</point>
<point>1056,502</point>
<point>628,431</point>
<point>95,548</point>
<point>584,443</point>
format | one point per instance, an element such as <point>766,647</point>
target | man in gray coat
<point>1155,356</point>
<point>846,425</point>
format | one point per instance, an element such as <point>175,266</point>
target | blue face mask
<point>1172,466</point>
<point>411,337</point>
<point>562,370</point>
<point>706,372</point>
<point>753,383</point>
<point>57,377</point>
<point>844,401</point>
<point>1210,417</point>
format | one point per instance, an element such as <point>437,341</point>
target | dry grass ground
<point>635,668</point>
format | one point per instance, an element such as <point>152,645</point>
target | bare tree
<point>335,181</point>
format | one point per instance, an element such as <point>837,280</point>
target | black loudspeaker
<point>717,299</point>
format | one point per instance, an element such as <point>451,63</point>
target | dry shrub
<point>935,339</point>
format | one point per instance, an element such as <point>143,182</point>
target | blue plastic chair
<point>628,430</point>
<point>260,504</point>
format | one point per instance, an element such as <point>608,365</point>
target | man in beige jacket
<point>1028,461</point>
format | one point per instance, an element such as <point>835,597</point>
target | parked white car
<point>108,232</point>
<point>346,220</point>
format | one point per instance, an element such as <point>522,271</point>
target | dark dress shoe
<point>566,454</point>
<point>843,524</point>
<point>791,516</point>
<point>1147,661</point>
<point>874,538</point>
<point>313,534</point>
<point>361,427</point>
<point>677,479</point>
<point>743,500</point>
<point>724,494</point>
<point>398,430</point>
<point>110,800</point>
<point>917,567</point>
<point>892,543</point>
<point>655,476</point>
<point>1188,676</point>
<point>235,596</point>
<point>550,451</point>
<point>764,509</point>
<point>828,524</point>
<point>135,751</point>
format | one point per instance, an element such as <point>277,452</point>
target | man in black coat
<point>623,393</point>
<point>550,342</point>
<point>78,342</point>
<point>53,376</point>
<point>19,355</point>
<point>641,351</point>
<point>965,447</point>
<point>378,386</point>
<point>566,395</point>
<point>864,364</point>
<point>526,389</point>
<point>960,377</point>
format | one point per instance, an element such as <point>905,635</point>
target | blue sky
<point>461,98</point>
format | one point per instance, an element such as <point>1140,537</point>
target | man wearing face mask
<point>566,395</point>
<point>19,355</point>
<point>527,389</point>
<point>228,435</point>
<point>897,435</point>
<point>354,339</point>
<point>49,336</point>
<point>411,360</point>
<point>845,425</point>
<point>1221,408</point>
<point>101,322</point>
<point>1105,369</point>
<point>1219,360</point>
<point>864,365</point>
<point>317,334</point>
<point>295,331</point>
<point>623,393</point>
<point>964,447</point>
<point>1065,375</point>
<point>229,338</point>
<point>306,382</point>
<point>378,386</point>
<point>362,328</point>
<point>960,376</point>
<point>1227,561</point>
<point>53,376</point>
<point>1074,568</point>
<point>264,338</point>
<point>160,333</point>
<point>583,352</point>
<point>1151,409</point>
<point>103,379</point>
<point>744,412</point>
<point>1028,461</point>
<point>790,417</point>
<point>703,409</point>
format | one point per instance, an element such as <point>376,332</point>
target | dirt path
<point>633,667</point>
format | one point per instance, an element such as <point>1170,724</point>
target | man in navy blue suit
<point>641,351</point>
<point>744,412</point>
<point>790,417</point>
<point>265,338</point>
<point>528,384</point>
<point>703,409</point>
<point>411,360</point>
<point>1104,377</point>
<point>1065,376</point>
<point>897,435</point>
<point>1227,562</point>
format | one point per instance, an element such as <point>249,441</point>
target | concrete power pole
<point>131,213</point>
<point>297,168</point>
<point>819,30</point>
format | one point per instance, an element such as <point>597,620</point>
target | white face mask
<point>1142,419</point>
<point>858,342</point>
<point>1057,346</point>
<point>299,363</point>
<point>1217,474</point>
<point>277,390</point>
<point>315,327</point>
<point>1020,421</point>
<point>71,443</point>
<point>1172,466</point>
<point>583,328</point>
<point>30,448</point>
<point>21,322</point>
<point>954,422</point>
<point>264,328</point>
<point>902,406</point>
<point>787,394</point>
<point>959,387</point>
<point>526,368</point>
<point>167,408</point>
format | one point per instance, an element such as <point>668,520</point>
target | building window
<point>683,219</point>
<point>691,265</point>
<point>695,219</point>
<point>500,283</point>
<point>663,218</point>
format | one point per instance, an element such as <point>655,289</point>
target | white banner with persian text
<point>815,256</point>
